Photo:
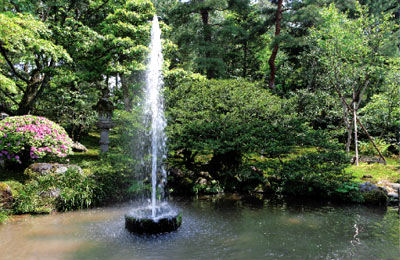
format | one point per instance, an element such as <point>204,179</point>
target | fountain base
<point>140,221</point>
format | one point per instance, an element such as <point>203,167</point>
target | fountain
<point>157,217</point>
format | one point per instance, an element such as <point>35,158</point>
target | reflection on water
<point>213,228</point>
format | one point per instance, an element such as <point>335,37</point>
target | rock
<point>176,172</point>
<point>373,194</point>
<point>78,147</point>
<point>367,176</point>
<point>6,198</point>
<point>395,186</point>
<point>61,170</point>
<point>368,186</point>
<point>3,115</point>
<point>51,193</point>
<point>140,221</point>
<point>393,195</point>
<point>375,197</point>
<point>50,168</point>
<point>205,175</point>
<point>368,160</point>
<point>202,181</point>
<point>391,188</point>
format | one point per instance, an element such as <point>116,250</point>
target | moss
<point>179,220</point>
<point>379,172</point>
<point>3,186</point>
<point>15,187</point>
<point>376,197</point>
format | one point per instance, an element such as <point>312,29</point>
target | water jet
<point>156,217</point>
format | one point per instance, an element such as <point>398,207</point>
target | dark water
<point>213,228</point>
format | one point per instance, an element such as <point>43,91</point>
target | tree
<point>29,58</point>
<point>216,38</point>
<point>127,32</point>
<point>354,54</point>
<point>291,21</point>
<point>104,39</point>
<point>271,61</point>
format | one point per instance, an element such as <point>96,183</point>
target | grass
<point>91,142</point>
<point>379,172</point>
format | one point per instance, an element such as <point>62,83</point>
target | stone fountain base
<point>139,221</point>
<point>151,226</point>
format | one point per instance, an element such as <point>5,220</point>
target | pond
<point>214,227</point>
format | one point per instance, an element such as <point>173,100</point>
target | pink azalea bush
<point>31,137</point>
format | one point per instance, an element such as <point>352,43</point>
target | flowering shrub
<point>26,138</point>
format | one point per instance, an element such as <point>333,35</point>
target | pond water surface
<point>213,228</point>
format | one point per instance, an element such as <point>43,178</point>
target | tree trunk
<point>33,89</point>
<point>355,126</point>
<point>245,54</point>
<point>207,38</point>
<point>361,125</point>
<point>349,128</point>
<point>127,97</point>
<point>274,53</point>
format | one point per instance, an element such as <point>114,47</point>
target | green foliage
<point>216,117</point>
<point>318,107</point>
<point>375,197</point>
<point>26,138</point>
<point>24,35</point>
<point>3,216</point>
<point>382,112</point>
<point>26,42</point>
<point>64,192</point>
<point>76,191</point>
<point>29,199</point>
<point>126,29</point>
<point>176,77</point>
<point>315,173</point>
<point>354,53</point>
<point>74,107</point>
<point>116,172</point>
<point>224,122</point>
<point>367,147</point>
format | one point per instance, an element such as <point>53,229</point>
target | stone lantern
<point>104,109</point>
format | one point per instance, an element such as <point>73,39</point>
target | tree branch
<point>3,52</point>
<point>9,96</point>
<point>90,13</point>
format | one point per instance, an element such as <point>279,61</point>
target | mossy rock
<point>375,197</point>
<point>152,226</point>
<point>6,197</point>
<point>41,169</point>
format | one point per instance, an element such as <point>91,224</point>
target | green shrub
<point>367,148</point>
<point>64,192</point>
<point>315,173</point>
<point>176,77</point>
<point>30,197</point>
<point>224,127</point>
<point>3,216</point>
<point>224,118</point>
<point>26,138</point>
<point>76,190</point>
<point>375,197</point>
